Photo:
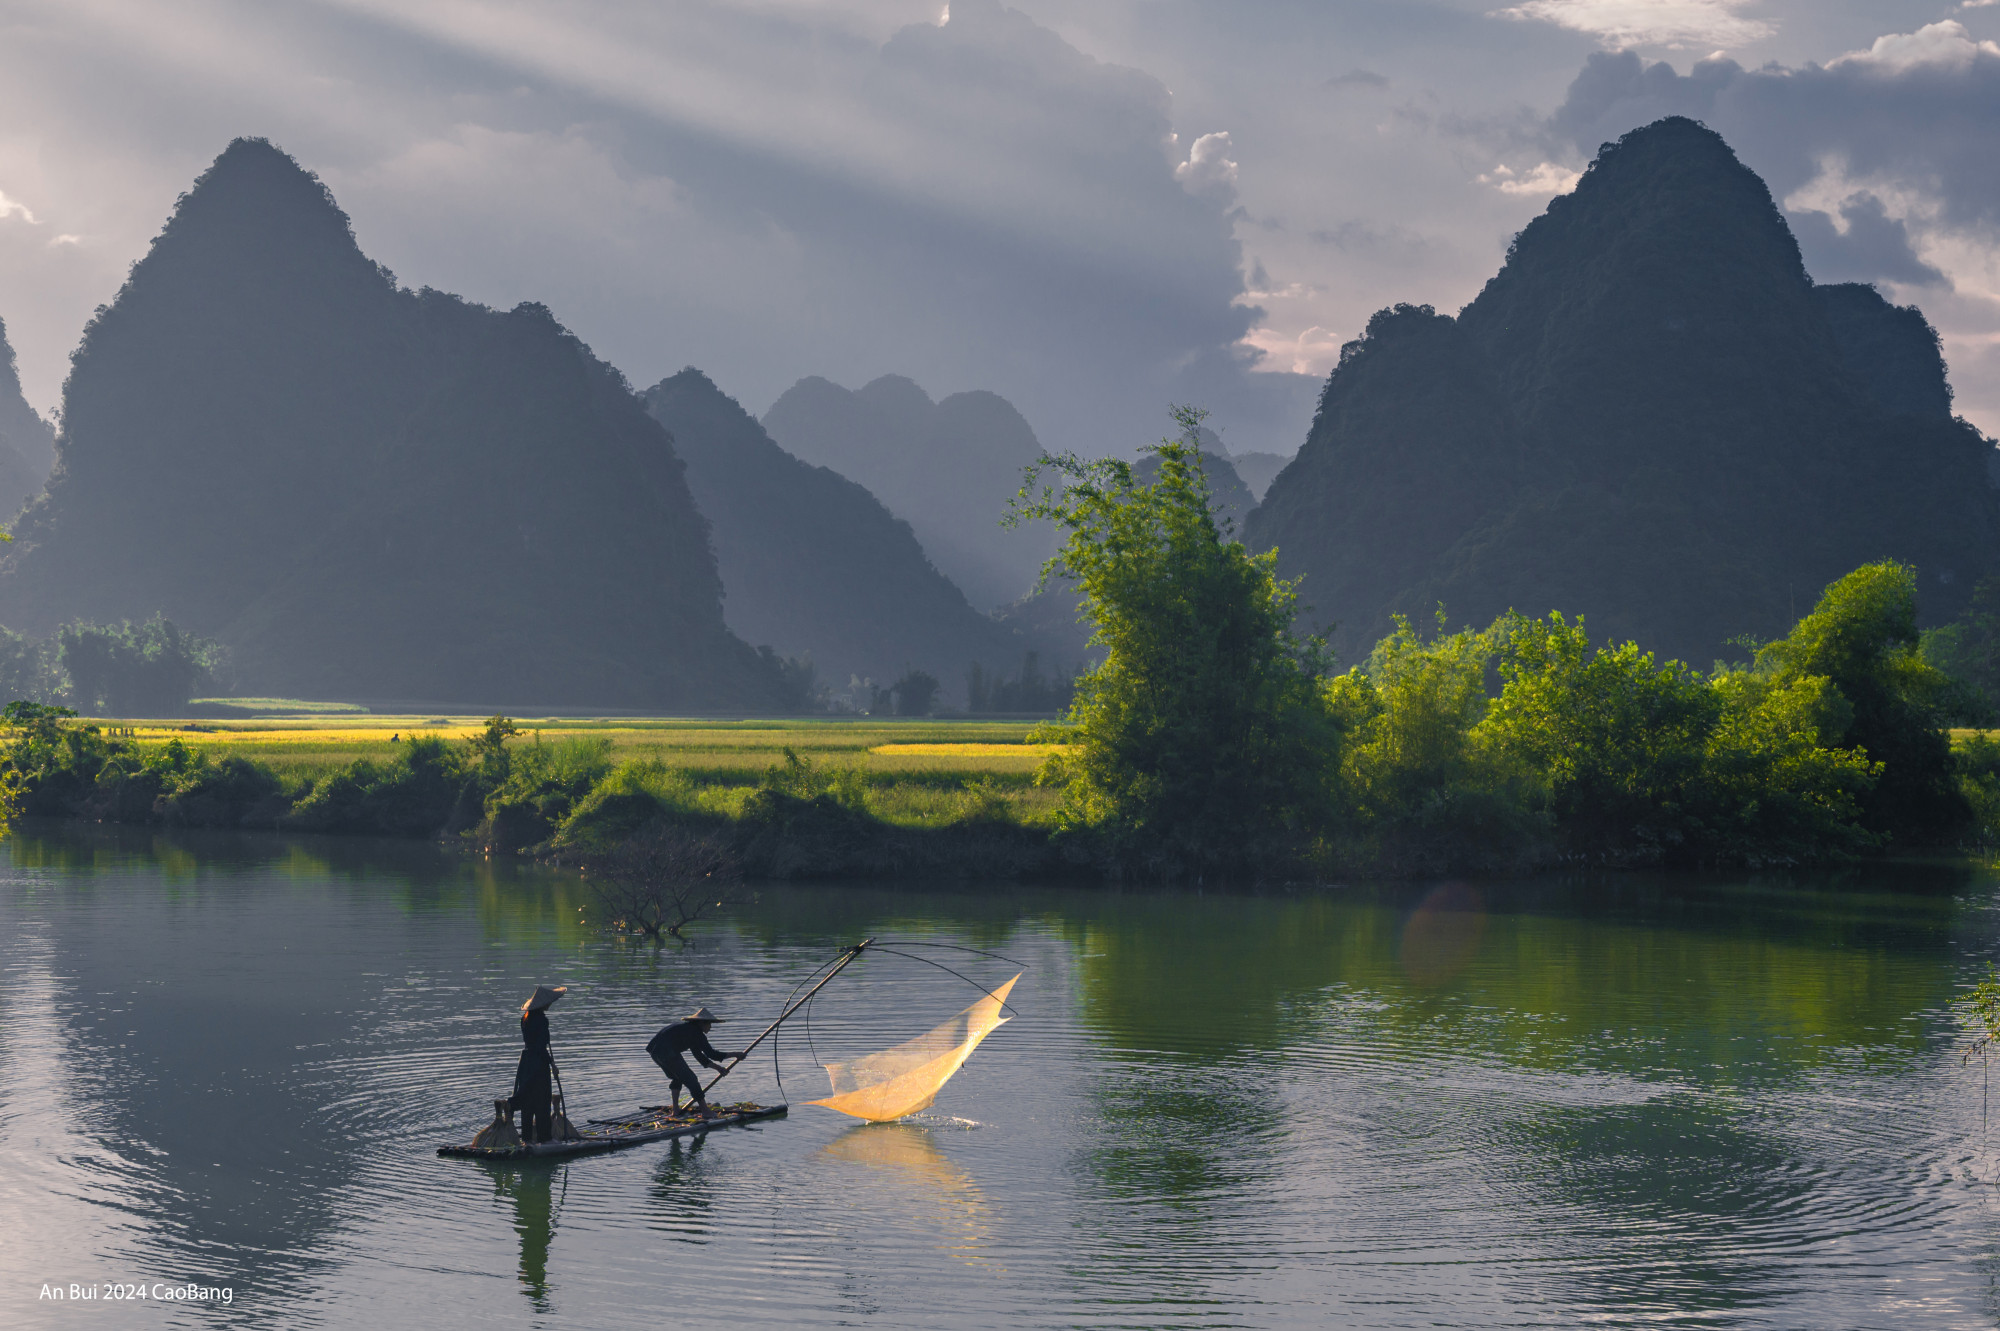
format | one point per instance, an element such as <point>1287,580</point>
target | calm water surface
<point>1724,1102</point>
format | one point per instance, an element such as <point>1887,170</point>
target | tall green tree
<point>1206,730</point>
<point>1862,638</point>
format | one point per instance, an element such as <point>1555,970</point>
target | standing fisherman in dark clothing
<point>534,1096</point>
<point>684,1037</point>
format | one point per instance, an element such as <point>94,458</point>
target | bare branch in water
<point>663,879</point>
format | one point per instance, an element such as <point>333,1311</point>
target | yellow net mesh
<point>907,1078</point>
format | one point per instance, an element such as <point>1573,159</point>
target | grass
<point>916,772</point>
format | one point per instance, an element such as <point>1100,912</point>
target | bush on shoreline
<point>1494,750</point>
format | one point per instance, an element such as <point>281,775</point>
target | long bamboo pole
<point>852,953</point>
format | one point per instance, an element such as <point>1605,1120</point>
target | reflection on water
<point>1443,934</point>
<point>920,1180</point>
<point>532,1189</point>
<point>683,1194</point>
<point>1737,1102</point>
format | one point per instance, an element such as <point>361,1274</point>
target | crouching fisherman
<point>534,1091</point>
<point>689,1036</point>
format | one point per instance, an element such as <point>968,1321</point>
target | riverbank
<point>868,798</point>
<point>791,799</point>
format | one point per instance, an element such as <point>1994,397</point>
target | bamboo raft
<point>652,1123</point>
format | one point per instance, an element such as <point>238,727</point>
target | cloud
<point>763,188</point>
<point>1365,78</point>
<point>1945,46</point>
<point>10,208</point>
<point>1544,181</point>
<point>1313,351</point>
<point>1678,24</point>
<point>1864,245</point>
<point>1915,112</point>
<point>1208,169</point>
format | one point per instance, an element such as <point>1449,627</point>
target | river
<point>226,1063</point>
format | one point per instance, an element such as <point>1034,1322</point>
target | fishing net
<point>907,1078</point>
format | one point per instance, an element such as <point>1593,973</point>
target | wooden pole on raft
<point>852,953</point>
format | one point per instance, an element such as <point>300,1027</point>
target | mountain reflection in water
<point>1716,1100</point>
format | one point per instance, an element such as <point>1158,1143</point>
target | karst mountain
<point>1651,416</point>
<point>811,562</point>
<point>948,468</point>
<point>367,491</point>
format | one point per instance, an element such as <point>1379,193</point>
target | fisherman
<point>534,1095</point>
<point>683,1037</point>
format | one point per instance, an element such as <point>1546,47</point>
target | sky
<point>1096,209</point>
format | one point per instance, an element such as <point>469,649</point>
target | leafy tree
<point>1862,637</point>
<point>1619,739</point>
<point>1411,716</point>
<point>1968,650</point>
<point>1652,760</point>
<point>122,670</point>
<point>1421,784</point>
<point>1775,789</point>
<point>1205,728</point>
<point>489,751</point>
<point>916,693</point>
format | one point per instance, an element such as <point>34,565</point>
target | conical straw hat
<point>543,997</point>
<point>702,1014</point>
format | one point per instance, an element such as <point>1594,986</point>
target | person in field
<point>670,1048</point>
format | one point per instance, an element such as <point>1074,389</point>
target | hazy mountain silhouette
<point>367,491</point>
<point>27,444</point>
<point>812,562</point>
<point>1258,470</point>
<point>1650,416</point>
<point>947,468</point>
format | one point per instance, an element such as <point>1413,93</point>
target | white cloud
<point>64,239</point>
<point>1312,350</point>
<point>1946,46</point>
<point>1208,167</point>
<point>1545,181</point>
<point>10,208</point>
<point>1678,24</point>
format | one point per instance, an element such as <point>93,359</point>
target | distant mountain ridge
<point>811,562</point>
<point>947,468</point>
<point>27,444</point>
<point>1650,415</point>
<point>366,491</point>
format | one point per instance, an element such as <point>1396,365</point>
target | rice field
<point>942,752</point>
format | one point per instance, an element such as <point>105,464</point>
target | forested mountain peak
<point>1650,415</point>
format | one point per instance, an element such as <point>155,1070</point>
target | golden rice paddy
<point>728,751</point>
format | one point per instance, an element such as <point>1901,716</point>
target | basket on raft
<point>501,1134</point>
